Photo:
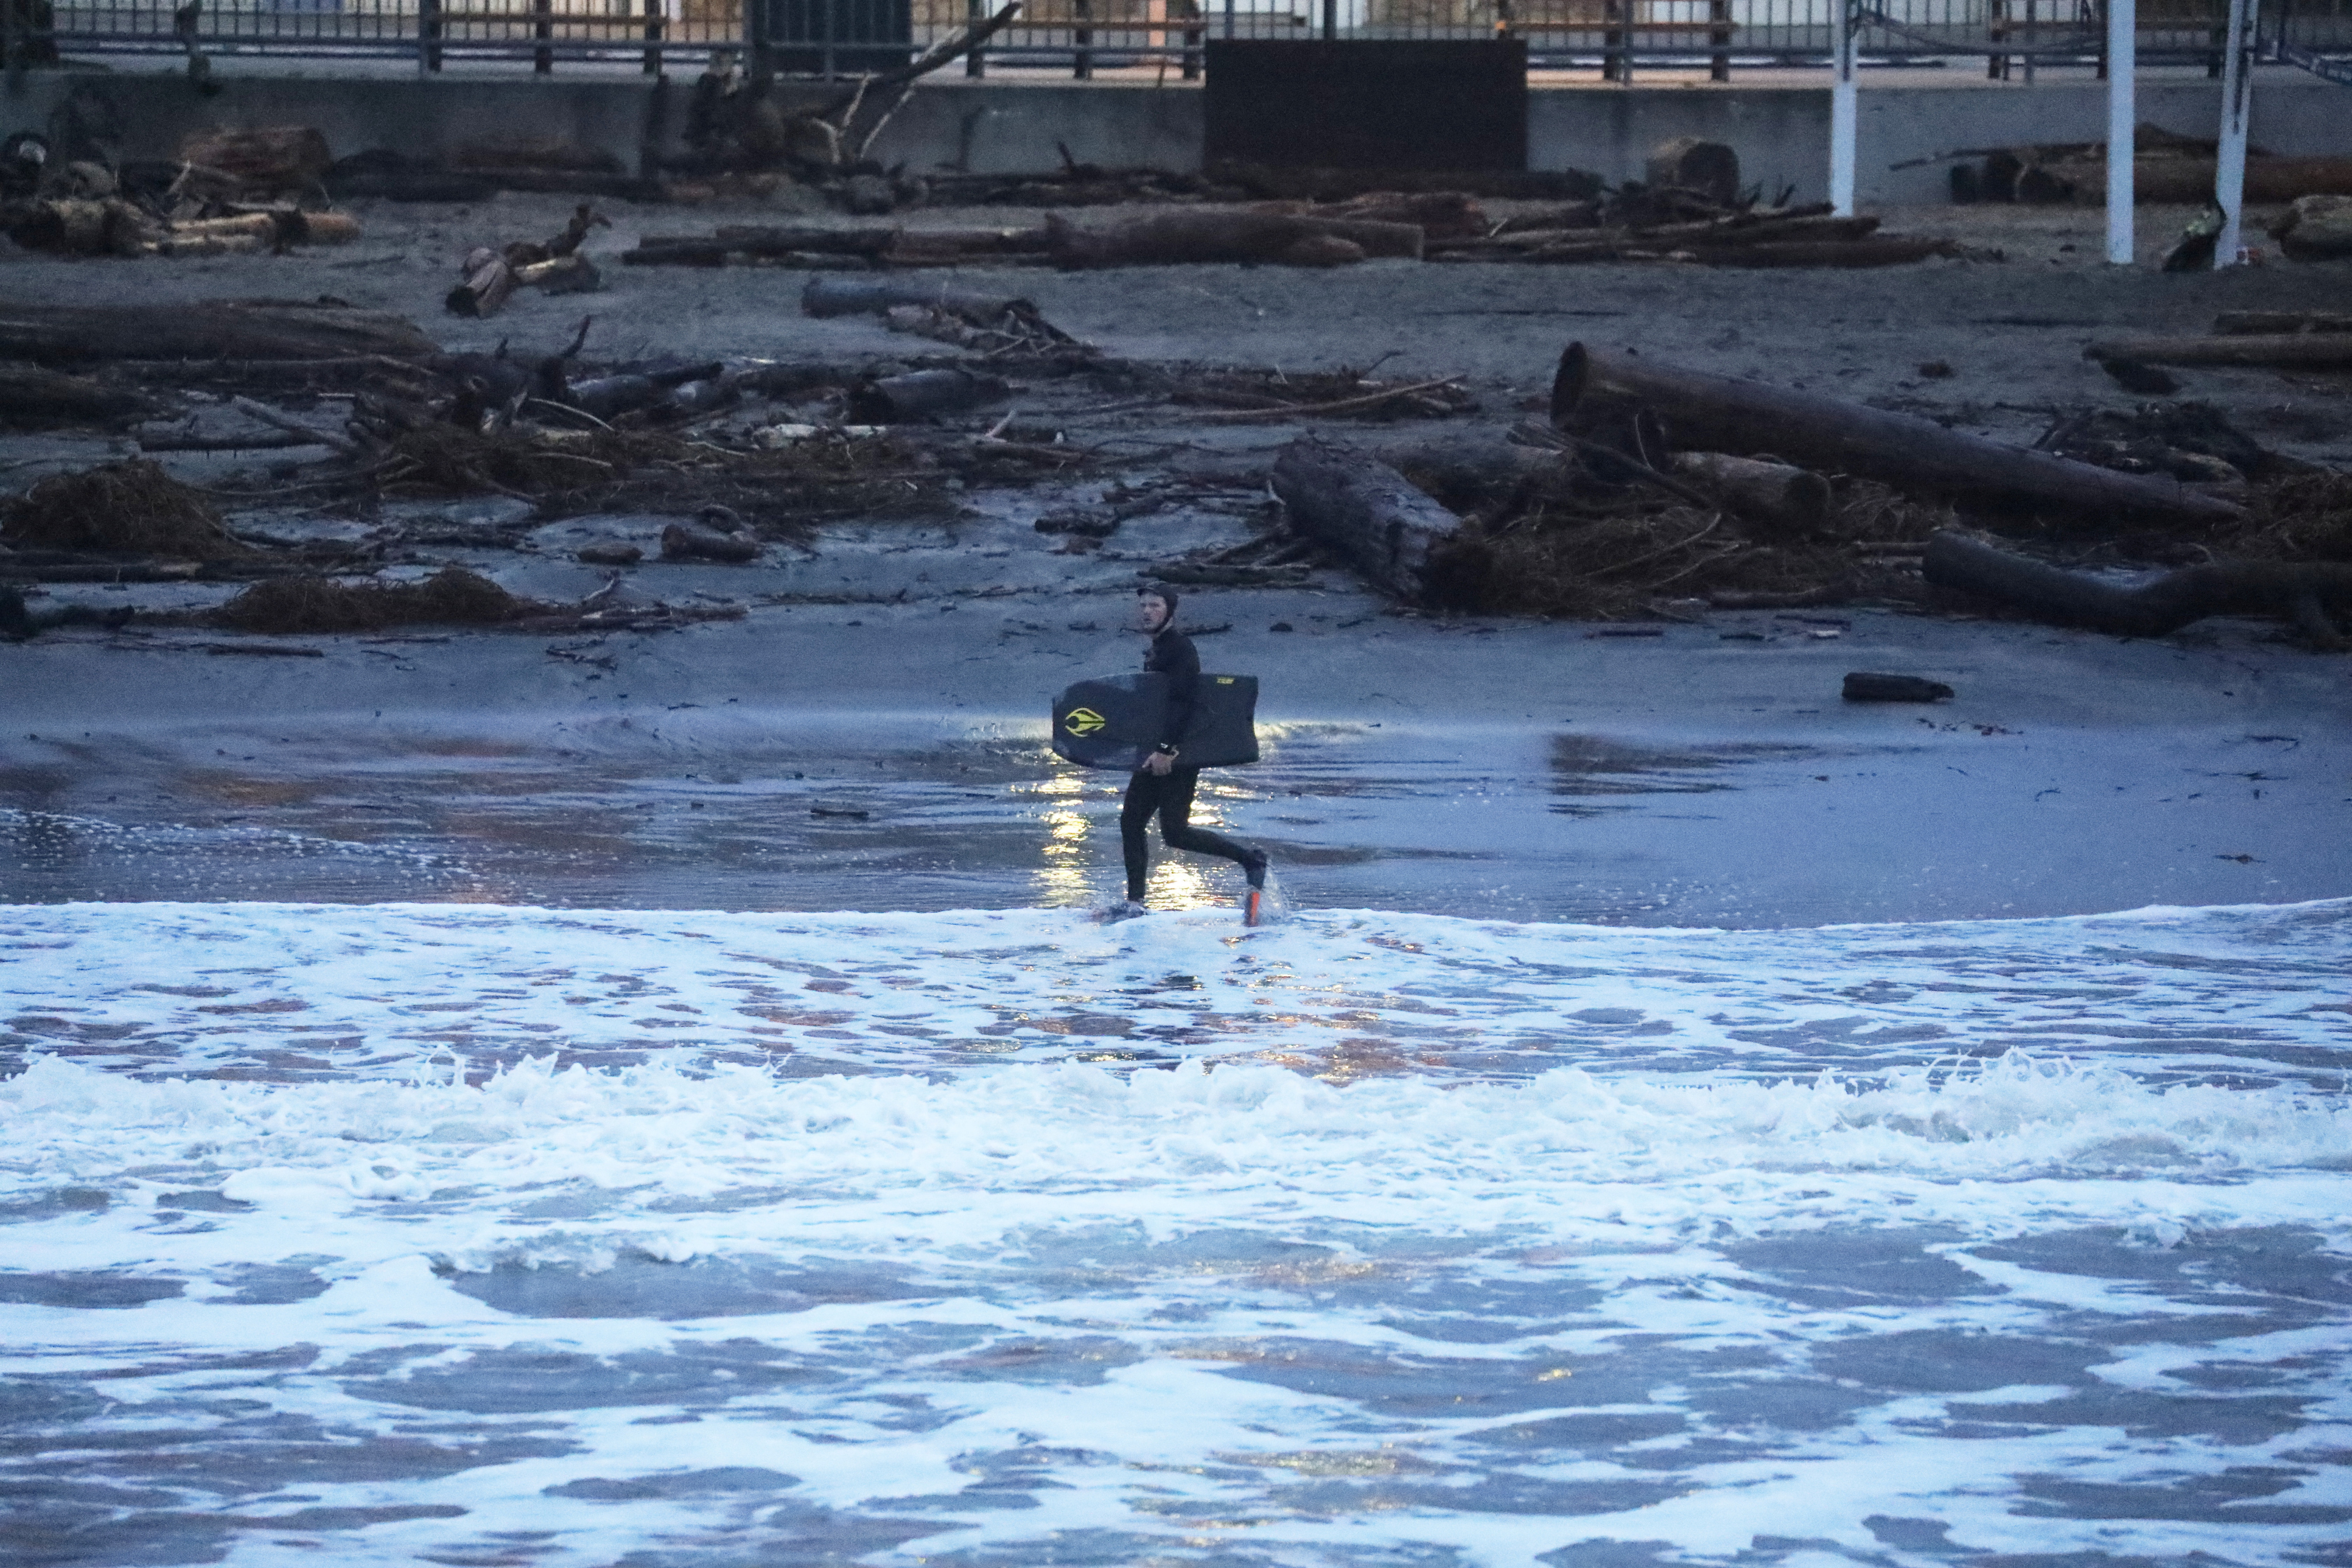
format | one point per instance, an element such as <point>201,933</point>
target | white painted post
<point>1844,111</point>
<point>2237,107</point>
<point>2123,65</point>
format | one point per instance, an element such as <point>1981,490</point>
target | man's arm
<point>1181,666</point>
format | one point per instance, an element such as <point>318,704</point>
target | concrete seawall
<point>1781,132</point>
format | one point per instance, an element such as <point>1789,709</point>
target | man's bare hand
<point>1158,763</point>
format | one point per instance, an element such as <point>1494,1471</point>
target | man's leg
<point>1134,820</point>
<point>1176,829</point>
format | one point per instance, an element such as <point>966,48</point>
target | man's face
<point>1150,612</point>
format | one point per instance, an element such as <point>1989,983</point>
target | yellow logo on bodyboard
<point>1083,722</point>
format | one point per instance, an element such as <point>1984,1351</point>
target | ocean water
<point>477,1234</point>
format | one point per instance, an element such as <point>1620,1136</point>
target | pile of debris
<point>229,193</point>
<point>553,266</point>
<point>1655,490</point>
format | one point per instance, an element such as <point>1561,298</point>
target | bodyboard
<point>1114,721</point>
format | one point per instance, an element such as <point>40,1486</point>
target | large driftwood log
<point>1694,163</point>
<point>1207,236</point>
<point>879,296</point>
<point>1783,496</point>
<point>1400,539</point>
<point>1469,472</point>
<point>34,398</point>
<point>767,239</point>
<point>922,395</point>
<point>2316,228</point>
<point>2307,593</point>
<point>258,330</point>
<point>1599,393</point>
<point>2304,350</point>
<point>2185,182</point>
<point>2249,323</point>
<point>1878,250</point>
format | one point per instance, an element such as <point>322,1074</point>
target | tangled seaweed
<point>450,459</point>
<point>2299,517</point>
<point>131,507</point>
<point>290,605</point>
<point>1562,540</point>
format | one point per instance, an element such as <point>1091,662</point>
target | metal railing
<point>1085,37</point>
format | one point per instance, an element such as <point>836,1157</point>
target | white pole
<point>1844,112</point>
<point>2122,64</point>
<point>2237,107</point>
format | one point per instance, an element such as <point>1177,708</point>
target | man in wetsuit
<point>1163,785</point>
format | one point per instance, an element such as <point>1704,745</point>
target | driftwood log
<point>1394,534</point>
<point>83,227</point>
<point>1597,395</point>
<point>34,398</point>
<point>1785,498</point>
<point>2248,324</point>
<point>879,296</point>
<point>83,334</point>
<point>713,536</point>
<point>2313,595</point>
<point>560,275</point>
<point>1863,686</point>
<point>487,284</point>
<point>765,240</point>
<point>957,246</point>
<point>1877,250</point>
<point>1692,164</point>
<point>1471,472</point>
<point>2316,228</point>
<point>922,394</point>
<point>606,395</point>
<point>1207,236</point>
<point>2302,351</point>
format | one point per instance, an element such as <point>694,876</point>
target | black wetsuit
<point>1170,794</point>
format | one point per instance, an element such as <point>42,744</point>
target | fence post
<point>542,28</point>
<point>2237,108</point>
<point>975,12</point>
<point>1330,20</point>
<point>1193,33</point>
<point>428,35</point>
<point>654,20</point>
<point>1616,62</point>
<point>2123,62</point>
<point>1718,38</point>
<point>1082,59</point>
<point>1844,111</point>
<point>759,46</point>
<point>1996,65</point>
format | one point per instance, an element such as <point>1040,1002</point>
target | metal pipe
<point>1846,112</point>
<point>2237,108</point>
<point>2122,63</point>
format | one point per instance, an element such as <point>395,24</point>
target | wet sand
<point>1707,774</point>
